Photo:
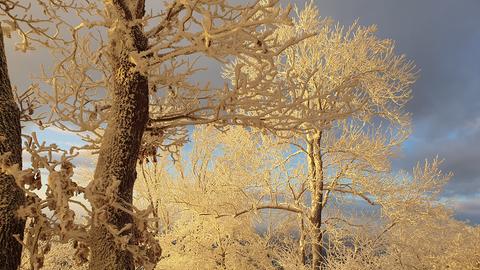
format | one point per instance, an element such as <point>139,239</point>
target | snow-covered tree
<point>124,79</point>
<point>360,87</point>
<point>217,176</point>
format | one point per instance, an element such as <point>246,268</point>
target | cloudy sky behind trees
<point>443,38</point>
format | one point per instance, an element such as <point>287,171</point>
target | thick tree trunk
<point>11,196</point>
<point>316,174</point>
<point>119,153</point>
<point>117,162</point>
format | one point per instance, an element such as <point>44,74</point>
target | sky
<point>443,38</point>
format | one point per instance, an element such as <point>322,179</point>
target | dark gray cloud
<point>468,210</point>
<point>460,154</point>
<point>443,38</point>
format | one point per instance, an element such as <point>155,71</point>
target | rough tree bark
<point>11,196</point>
<point>120,144</point>
<point>315,166</point>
